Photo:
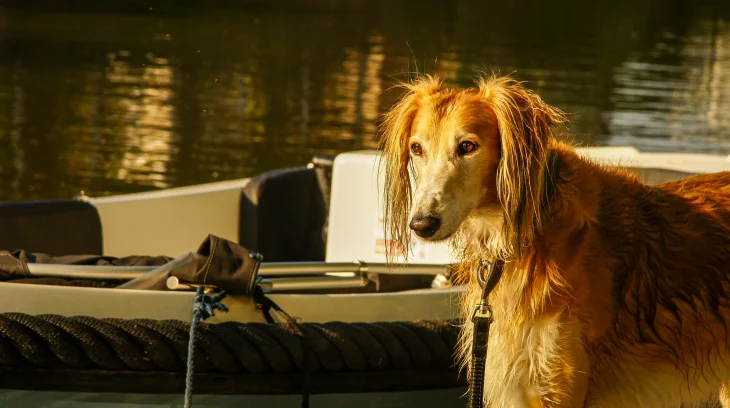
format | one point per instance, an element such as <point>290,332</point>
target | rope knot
<point>207,305</point>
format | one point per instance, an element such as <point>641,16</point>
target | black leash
<point>482,317</point>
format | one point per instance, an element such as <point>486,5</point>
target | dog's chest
<point>518,361</point>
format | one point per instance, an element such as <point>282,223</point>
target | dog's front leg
<point>724,396</point>
<point>566,382</point>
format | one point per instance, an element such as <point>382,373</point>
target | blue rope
<point>203,308</point>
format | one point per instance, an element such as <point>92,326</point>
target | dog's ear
<point>395,130</point>
<point>525,124</point>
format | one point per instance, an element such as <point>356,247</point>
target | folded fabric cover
<point>218,261</point>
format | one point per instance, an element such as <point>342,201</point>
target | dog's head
<point>476,155</point>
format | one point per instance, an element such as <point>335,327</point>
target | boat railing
<point>274,276</point>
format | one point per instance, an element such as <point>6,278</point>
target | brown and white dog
<point>614,293</point>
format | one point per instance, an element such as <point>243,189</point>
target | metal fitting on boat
<point>173,283</point>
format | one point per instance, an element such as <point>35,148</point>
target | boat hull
<point>442,398</point>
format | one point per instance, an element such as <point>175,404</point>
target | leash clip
<point>487,281</point>
<point>484,265</point>
<point>482,310</point>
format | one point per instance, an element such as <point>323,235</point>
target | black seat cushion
<point>283,213</point>
<point>54,227</point>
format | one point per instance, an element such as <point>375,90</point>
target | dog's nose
<point>425,227</point>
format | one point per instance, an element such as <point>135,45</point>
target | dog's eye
<point>416,149</point>
<point>466,147</point>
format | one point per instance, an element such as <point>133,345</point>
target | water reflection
<point>109,102</point>
<point>675,96</point>
<point>138,100</point>
<point>14,128</point>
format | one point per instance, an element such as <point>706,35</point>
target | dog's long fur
<point>615,293</point>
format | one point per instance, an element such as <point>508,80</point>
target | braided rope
<point>86,343</point>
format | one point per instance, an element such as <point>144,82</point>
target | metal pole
<point>283,284</point>
<point>267,270</point>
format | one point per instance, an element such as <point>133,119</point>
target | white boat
<point>319,229</point>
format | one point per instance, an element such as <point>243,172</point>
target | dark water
<point>153,95</point>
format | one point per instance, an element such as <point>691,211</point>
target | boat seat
<point>53,227</point>
<point>284,214</point>
<point>651,175</point>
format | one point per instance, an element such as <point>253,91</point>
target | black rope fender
<point>37,351</point>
